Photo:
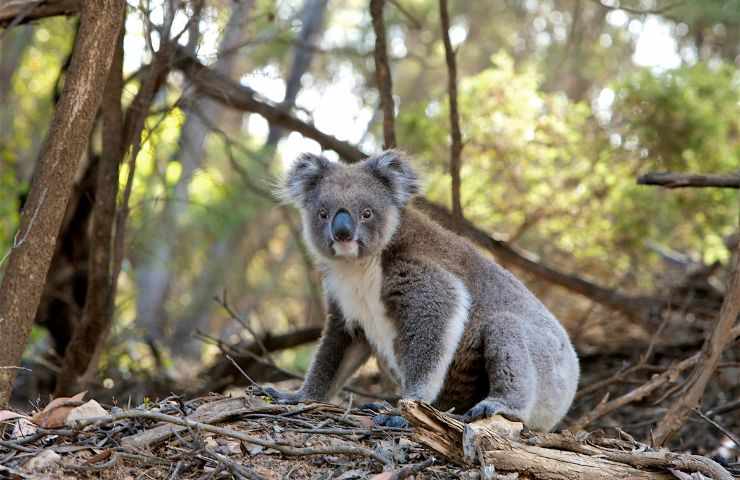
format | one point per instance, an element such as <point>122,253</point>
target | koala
<point>451,326</point>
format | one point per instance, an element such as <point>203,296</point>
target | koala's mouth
<point>346,249</point>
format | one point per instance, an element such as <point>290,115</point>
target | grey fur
<point>453,327</point>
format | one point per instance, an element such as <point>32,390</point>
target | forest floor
<point>249,437</point>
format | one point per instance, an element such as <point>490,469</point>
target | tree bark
<point>97,314</point>
<point>66,142</point>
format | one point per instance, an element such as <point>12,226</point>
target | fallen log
<point>501,444</point>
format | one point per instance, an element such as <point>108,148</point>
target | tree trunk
<point>42,216</point>
<point>98,311</point>
<point>154,275</point>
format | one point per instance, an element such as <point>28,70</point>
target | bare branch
<point>17,12</point>
<point>689,180</point>
<point>455,135</point>
<point>383,74</point>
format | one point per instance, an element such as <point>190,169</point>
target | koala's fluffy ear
<point>303,176</point>
<point>394,170</point>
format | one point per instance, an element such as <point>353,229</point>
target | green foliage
<point>539,168</point>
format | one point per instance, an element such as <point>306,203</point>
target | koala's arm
<point>338,356</point>
<point>431,307</point>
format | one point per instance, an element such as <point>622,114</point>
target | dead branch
<point>499,442</point>
<point>689,180</point>
<point>721,337</point>
<point>17,12</point>
<point>383,74</point>
<point>456,137</point>
<point>28,264</point>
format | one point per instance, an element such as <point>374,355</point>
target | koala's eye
<point>323,214</point>
<point>367,214</point>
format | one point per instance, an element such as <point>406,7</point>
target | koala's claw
<point>393,421</point>
<point>484,409</point>
<point>284,398</point>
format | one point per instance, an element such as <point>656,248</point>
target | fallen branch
<point>689,180</point>
<point>549,456</point>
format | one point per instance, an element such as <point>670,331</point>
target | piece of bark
<point>503,448</point>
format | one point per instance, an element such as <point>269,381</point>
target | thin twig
<point>383,74</point>
<point>455,135</point>
<point>718,426</point>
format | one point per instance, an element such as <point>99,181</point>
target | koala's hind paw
<point>488,408</point>
<point>285,398</point>
<point>393,421</point>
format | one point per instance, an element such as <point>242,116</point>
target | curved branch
<point>690,180</point>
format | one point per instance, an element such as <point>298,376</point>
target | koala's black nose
<point>342,226</point>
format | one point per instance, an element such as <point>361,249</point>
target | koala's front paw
<point>484,409</point>
<point>393,421</point>
<point>285,398</point>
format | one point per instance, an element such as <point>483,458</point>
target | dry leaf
<point>99,457</point>
<point>6,415</point>
<point>89,409</point>
<point>23,428</point>
<point>43,460</point>
<point>55,413</point>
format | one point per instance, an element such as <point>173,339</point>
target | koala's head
<point>349,211</point>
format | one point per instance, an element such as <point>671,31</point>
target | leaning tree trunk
<point>65,145</point>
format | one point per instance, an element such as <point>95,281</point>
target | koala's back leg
<point>512,374</point>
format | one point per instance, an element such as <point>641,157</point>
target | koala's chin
<point>349,249</point>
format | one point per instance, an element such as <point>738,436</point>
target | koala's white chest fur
<point>356,285</point>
